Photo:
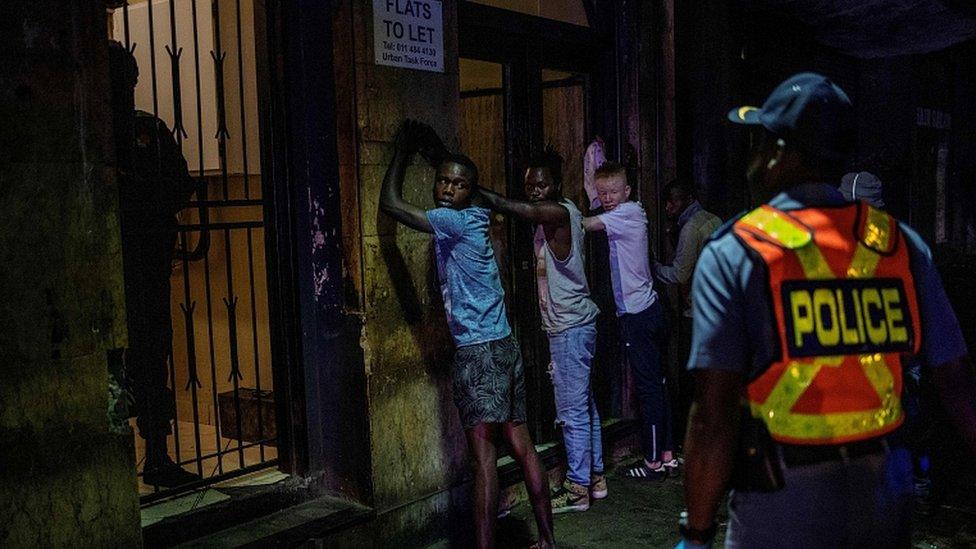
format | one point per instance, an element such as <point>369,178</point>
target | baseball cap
<point>812,111</point>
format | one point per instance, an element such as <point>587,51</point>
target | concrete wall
<point>65,478</point>
<point>417,445</point>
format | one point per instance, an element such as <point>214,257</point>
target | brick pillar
<point>67,478</point>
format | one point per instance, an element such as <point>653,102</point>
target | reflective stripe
<point>864,263</point>
<point>876,233</point>
<point>777,226</point>
<point>813,262</point>
<point>654,441</point>
<point>797,375</point>
<point>786,232</point>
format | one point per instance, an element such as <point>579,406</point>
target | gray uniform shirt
<point>564,295</point>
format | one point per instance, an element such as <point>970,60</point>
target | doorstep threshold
<point>313,519</point>
<point>225,505</point>
<point>198,499</point>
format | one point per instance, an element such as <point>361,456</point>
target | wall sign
<point>409,33</point>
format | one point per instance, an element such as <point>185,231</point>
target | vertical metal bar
<point>242,105</point>
<point>222,133</point>
<point>179,131</point>
<point>231,300</point>
<point>193,381</point>
<point>213,359</point>
<point>254,340</point>
<point>243,136</point>
<point>152,58</point>
<point>204,242</point>
<point>175,52</point>
<point>171,368</point>
<point>125,25</point>
<point>196,75</point>
<point>235,365</point>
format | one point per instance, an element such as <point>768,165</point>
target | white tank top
<point>564,295</point>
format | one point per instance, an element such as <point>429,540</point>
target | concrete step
<point>315,519</point>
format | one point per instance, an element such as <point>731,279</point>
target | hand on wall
<point>592,160</point>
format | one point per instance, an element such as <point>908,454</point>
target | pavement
<point>644,514</point>
<point>636,514</point>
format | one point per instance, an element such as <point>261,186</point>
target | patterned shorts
<point>489,383</point>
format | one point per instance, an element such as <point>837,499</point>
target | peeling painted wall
<point>417,444</point>
<point>65,479</point>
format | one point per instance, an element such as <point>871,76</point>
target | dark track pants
<point>643,338</point>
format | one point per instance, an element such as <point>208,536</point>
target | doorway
<point>197,81</point>
<point>525,82</point>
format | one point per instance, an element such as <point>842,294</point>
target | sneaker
<point>570,498</point>
<point>640,470</point>
<point>672,467</point>
<point>598,486</point>
<point>506,503</point>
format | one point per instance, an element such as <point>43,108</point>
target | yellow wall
<point>416,440</point>
<point>246,328</point>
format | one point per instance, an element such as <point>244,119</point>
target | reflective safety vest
<point>844,300</point>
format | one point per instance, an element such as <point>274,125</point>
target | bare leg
<point>483,444</point>
<point>536,481</point>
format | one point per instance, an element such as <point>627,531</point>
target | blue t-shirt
<point>472,289</point>
<point>734,327</point>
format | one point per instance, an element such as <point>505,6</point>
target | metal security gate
<point>197,76</point>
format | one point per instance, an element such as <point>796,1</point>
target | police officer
<point>803,310</point>
<point>154,185</point>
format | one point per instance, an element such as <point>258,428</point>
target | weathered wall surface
<point>65,478</point>
<point>417,445</point>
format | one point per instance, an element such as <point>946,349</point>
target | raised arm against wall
<point>391,194</point>
<point>540,213</point>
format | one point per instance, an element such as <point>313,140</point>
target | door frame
<point>319,377</point>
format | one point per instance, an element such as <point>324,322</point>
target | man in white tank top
<point>569,319</point>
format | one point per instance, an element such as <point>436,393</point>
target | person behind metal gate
<point>803,309</point>
<point>154,185</point>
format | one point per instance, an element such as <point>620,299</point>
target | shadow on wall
<point>427,325</point>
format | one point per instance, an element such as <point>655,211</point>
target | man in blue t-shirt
<point>489,382</point>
